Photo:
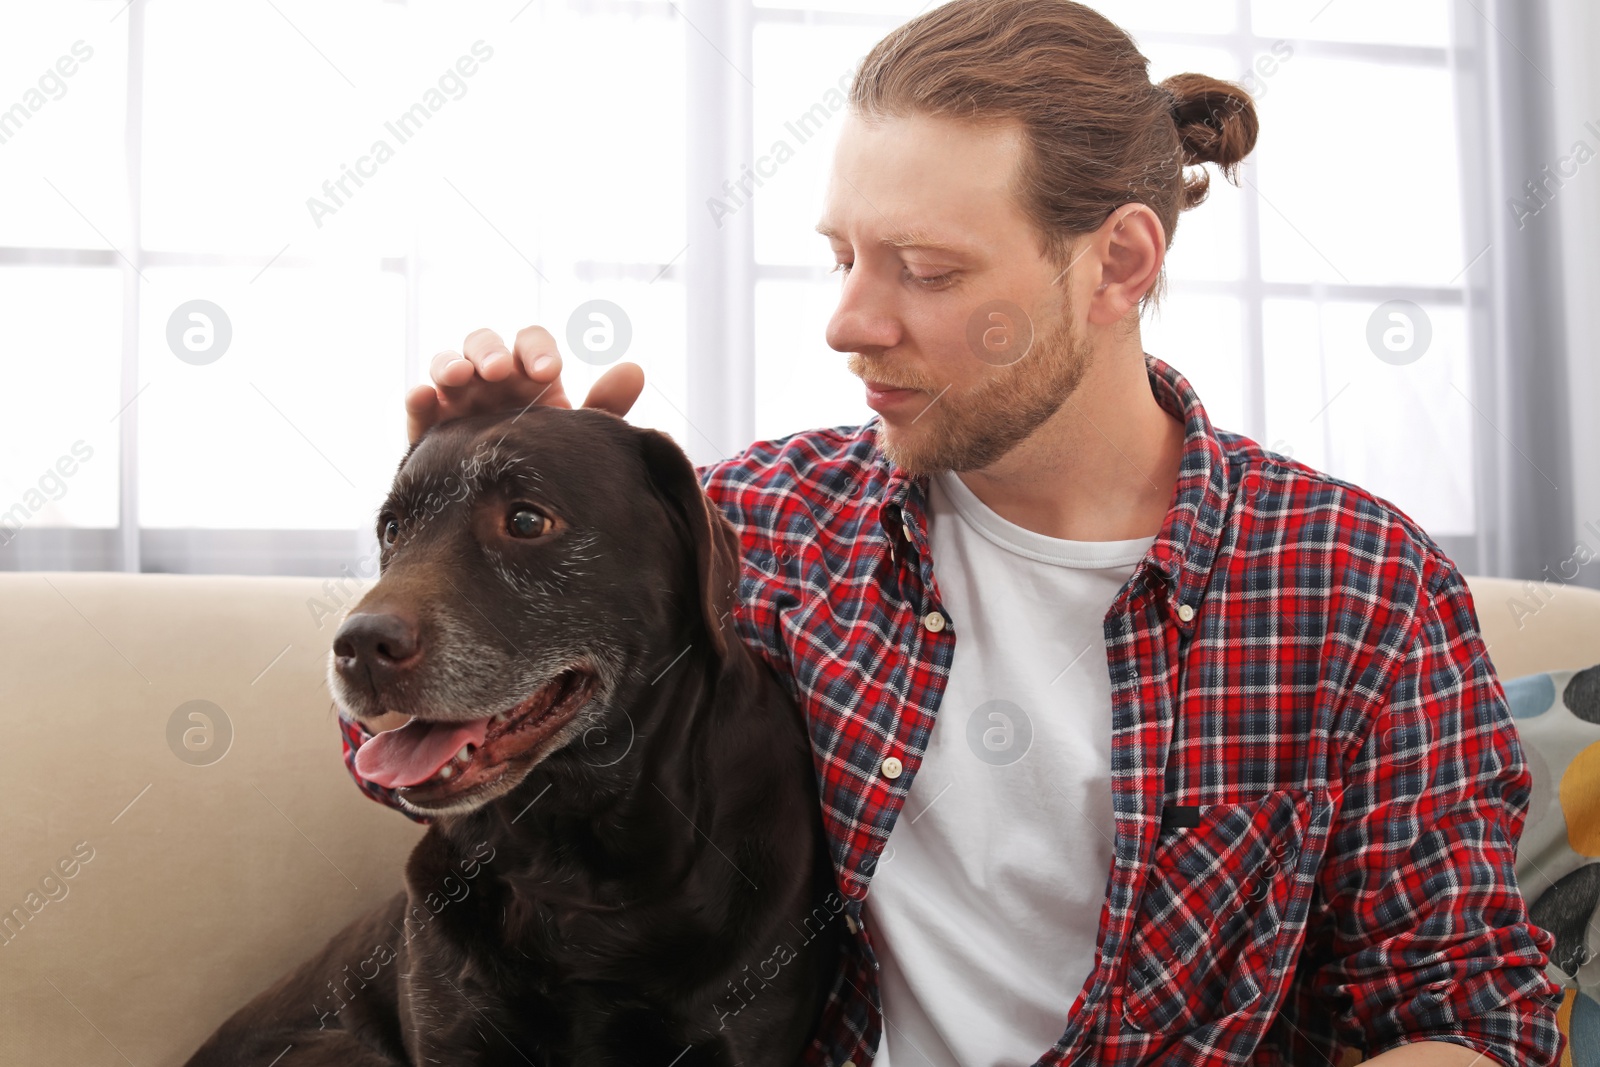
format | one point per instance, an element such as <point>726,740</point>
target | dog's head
<point>537,571</point>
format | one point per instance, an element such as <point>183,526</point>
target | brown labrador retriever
<point>626,864</point>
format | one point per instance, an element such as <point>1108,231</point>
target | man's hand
<point>1432,1054</point>
<point>486,376</point>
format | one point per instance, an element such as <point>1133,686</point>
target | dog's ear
<point>717,550</point>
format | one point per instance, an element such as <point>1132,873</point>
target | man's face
<point>921,216</point>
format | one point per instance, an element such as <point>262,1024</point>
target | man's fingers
<point>538,357</point>
<point>486,351</point>
<point>422,411</point>
<point>486,376</point>
<point>617,389</point>
<point>451,370</point>
<point>537,354</point>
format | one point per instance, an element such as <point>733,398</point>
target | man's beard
<point>972,430</point>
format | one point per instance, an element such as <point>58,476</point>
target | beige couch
<point>193,883</point>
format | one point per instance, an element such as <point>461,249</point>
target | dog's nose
<point>376,644</point>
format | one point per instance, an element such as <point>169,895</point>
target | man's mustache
<point>893,379</point>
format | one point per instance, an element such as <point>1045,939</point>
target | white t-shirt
<point>985,904</point>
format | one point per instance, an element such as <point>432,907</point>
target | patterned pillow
<point>1558,858</point>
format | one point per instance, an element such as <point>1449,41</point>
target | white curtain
<point>1575,32</point>
<point>1530,141</point>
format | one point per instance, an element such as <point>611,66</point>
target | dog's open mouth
<point>433,760</point>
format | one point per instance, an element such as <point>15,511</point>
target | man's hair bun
<point>1216,123</point>
<point>1098,133</point>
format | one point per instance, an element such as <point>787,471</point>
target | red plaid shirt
<point>1317,785</point>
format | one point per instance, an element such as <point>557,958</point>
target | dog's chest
<point>534,968</point>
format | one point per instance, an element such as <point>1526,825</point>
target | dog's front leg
<point>447,1018</point>
<point>328,1048</point>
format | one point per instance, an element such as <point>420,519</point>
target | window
<point>245,231</point>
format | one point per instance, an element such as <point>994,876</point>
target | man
<point>1136,743</point>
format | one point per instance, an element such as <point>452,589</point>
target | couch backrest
<point>206,877</point>
<point>210,854</point>
<point>1531,627</point>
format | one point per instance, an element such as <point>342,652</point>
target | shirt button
<point>891,768</point>
<point>848,1063</point>
<point>1185,613</point>
<point>850,924</point>
<point>933,622</point>
<point>907,528</point>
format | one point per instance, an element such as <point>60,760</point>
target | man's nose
<point>376,645</point>
<point>865,318</point>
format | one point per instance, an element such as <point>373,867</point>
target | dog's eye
<point>527,522</point>
<point>391,531</point>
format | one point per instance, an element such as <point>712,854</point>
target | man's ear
<point>716,542</point>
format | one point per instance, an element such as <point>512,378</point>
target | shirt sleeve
<point>739,487</point>
<point>1431,939</point>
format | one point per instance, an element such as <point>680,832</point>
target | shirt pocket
<point>1214,904</point>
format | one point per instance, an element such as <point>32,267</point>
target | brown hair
<point>1099,135</point>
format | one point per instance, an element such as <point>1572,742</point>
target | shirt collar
<point>1187,542</point>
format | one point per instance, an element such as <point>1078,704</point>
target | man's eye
<point>931,281</point>
<point>527,522</point>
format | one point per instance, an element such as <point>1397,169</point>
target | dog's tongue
<point>416,751</point>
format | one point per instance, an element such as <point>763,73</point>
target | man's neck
<point>1104,467</point>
